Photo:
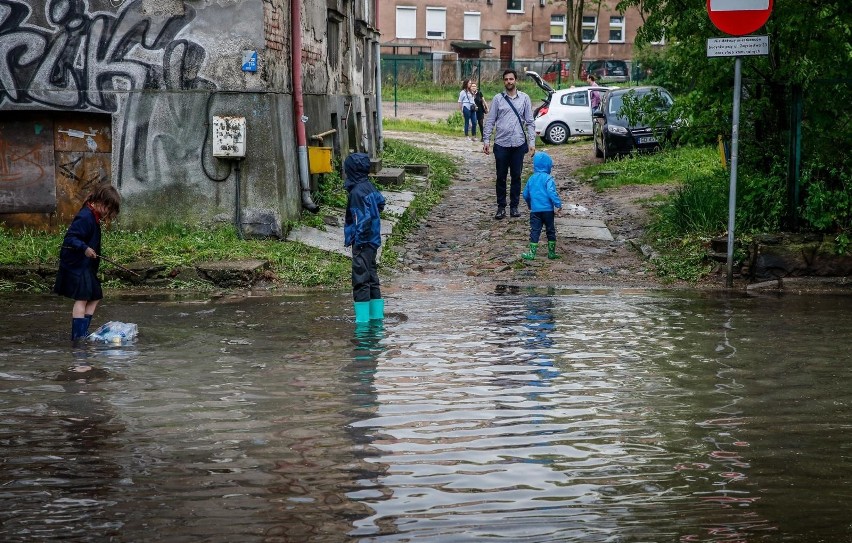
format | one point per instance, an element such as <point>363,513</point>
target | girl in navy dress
<point>78,259</point>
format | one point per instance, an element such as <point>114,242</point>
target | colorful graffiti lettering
<point>82,61</point>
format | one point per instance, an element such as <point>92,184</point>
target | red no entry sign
<point>739,17</point>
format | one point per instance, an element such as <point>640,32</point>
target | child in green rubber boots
<point>541,197</point>
<point>362,231</point>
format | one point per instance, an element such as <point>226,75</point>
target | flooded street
<point>514,415</point>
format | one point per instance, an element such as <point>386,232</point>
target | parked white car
<point>564,113</point>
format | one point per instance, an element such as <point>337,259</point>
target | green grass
<point>674,165</point>
<point>683,222</point>
<point>446,127</point>
<point>176,246</point>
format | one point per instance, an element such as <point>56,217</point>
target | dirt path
<point>461,246</point>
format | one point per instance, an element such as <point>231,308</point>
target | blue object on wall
<point>249,61</point>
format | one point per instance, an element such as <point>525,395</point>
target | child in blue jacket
<point>362,230</point>
<point>77,277</point>
<point>541,197</point>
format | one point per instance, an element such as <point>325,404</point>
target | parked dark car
<point>614,71</point>
<point>614,135</point>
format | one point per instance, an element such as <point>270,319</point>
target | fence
<point>427,87</point>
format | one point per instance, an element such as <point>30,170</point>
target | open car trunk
<point>542,84</point>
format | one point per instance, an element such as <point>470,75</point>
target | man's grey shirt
<point>503,120</point>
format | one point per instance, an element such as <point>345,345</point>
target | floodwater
<point>515,416</point>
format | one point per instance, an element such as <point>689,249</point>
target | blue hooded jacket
<point>540,191</point>
<point>363,225</point>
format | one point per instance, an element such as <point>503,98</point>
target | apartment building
<point>510,30</point>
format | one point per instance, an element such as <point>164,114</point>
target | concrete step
<point>391,177</point>
<point>331,238</point>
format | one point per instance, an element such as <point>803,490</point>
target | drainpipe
<point>299,105</point>
<point>378,85</point>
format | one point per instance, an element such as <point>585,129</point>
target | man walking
<point>511,117</point>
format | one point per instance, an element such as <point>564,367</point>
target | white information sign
<point>738,47</point>
<point>738,5</point>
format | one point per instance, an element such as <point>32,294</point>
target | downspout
<point>299,104</point>
<point>378,85</point>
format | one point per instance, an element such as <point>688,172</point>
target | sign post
<point>737,18</point>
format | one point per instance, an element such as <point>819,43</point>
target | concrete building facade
<point>516,30</point>
<point>125,91</point>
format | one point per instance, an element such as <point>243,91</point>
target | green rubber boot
<point>362,312</point>
<point>551,250</point>
<point>377,309</point>
<point>531,254</point>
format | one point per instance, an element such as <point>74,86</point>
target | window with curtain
<point>557,27</point>
<point>616,29</point>
<point>590,28</point>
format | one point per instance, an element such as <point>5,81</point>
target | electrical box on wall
<point>229,137</point>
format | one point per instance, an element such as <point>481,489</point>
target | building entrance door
<point>506,50</point>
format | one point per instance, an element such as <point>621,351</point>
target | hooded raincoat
<point>540,191</point>
<point>363,224</point>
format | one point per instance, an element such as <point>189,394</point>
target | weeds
<point>672,166</point>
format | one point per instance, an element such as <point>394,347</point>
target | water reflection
<point>523,416</point>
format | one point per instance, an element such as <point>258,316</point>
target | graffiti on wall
<point>83,60</point>
<point>73,58</point>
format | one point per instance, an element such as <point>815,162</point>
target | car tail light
<point>542,112</point>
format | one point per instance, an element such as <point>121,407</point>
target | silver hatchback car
<point>564,113</point>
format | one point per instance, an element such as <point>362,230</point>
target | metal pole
<point>395,86</point>
<point>735,145</point>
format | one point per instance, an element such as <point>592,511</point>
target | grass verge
<point>177,246</point>
<point>682,223</point>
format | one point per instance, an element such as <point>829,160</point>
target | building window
<point>515,6</point>
<point>557,27</point>
<point>471,25</point>
<point>661,41</point>
<point>436,23</point>
<point>333,37</point>
<point>406,23</point>
<point>541,48</point>
<point>590,28</point>
<point>616,29</point>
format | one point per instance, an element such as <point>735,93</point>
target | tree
<point>806,76</point>
<point>574,11</point>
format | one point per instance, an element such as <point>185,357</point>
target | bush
<point>827,205</point>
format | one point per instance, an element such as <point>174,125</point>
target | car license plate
<point>646,139</point>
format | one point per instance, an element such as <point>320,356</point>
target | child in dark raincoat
<point>542,199</point>
<point>362,230</point>
<point>77,277</point>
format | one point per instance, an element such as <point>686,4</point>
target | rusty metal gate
<point>49,162</point>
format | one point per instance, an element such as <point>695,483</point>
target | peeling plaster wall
<point>338,37</point>
<point>161,69</point>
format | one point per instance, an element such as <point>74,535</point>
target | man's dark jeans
<point>510,160</point>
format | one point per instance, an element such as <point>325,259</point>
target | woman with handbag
<point>481,105</point>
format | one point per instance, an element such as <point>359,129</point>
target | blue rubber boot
<point>362,312</point>
<point>78,329</point>
<point>88,323</point>
<point>377,309</point>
